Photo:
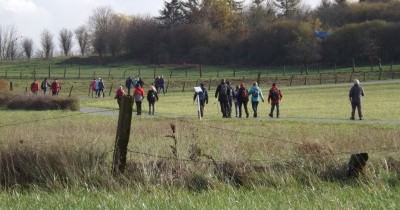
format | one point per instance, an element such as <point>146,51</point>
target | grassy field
<point>62,159</point>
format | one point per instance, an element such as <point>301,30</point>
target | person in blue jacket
<point>256,96</point>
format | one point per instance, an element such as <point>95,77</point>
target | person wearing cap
<point>355,94</point>
<point>203,98</point>
<point>152,97</point>
<point>274,97</point>
<point>118,95</point>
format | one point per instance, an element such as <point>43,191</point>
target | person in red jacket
<point>35,87</point>
<point>118,95</point>
<point>274,97</point>
<point>55,87</point>
<point>138,95</point>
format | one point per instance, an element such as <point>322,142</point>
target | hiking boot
<point>361,118</point>
<point>270,115</point>
<point>247,115</point>
<point>351,118</point>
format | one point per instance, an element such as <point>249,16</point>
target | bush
<point>42,103</point>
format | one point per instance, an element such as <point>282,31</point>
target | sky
<point>31,17</point>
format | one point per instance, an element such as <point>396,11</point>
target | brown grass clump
<point>43,103</point>
<point>23,164</point>
<point>4,85</point>
<point>314,150</point>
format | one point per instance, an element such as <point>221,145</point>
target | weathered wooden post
<point>79,71</point>
<point>65,70</point>
<point>170,74</point>
<point>354,65</point>
<point>11,86</point>
<point>109,73</point>
<point>122,137</point>
<point>183,88</point>
<point>49,74</point>
<point>209,85</point>
<point>258,77</point>
<point>291,80</point>
<point>109,94</point>
<point>201,70</point>
<point>70,91</point>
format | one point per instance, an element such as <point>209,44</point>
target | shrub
<point>43,103</point>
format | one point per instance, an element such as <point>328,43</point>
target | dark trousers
<point>139,107</point>
<point>151,107</point>
<point>245,108</point>
<point>353,110</point>
<point>273,105</point>
<point>236,108</point>
<point>202,104</point>
<point>254,105</point>
<point>224,108</point>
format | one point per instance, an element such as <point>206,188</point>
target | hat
<point>356,82</point>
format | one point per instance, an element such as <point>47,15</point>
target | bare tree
<point>8,43</point>
<point>27,46</point>
<point>99,24</point>
<point>66,41</point>
<point>115,35</point>
<point>46,40</point>
<point>82,36</point>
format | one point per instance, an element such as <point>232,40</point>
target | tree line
<point>263,32</point>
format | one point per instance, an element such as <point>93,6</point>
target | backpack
<point>256,92</point>
<point>245,94</point>
<point>54,85</point>
<point>275,94</point>
<point>43,85</point>
<point>138,97</point>
<point>202,95</point>
<point>152,96</point>
<point>223,92</point>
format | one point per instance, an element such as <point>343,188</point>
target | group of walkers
<point>97,88</point>
<point>138,94</point>
<point>45,86</point>
<point>240,96</point>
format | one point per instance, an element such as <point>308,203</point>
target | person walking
<point>92,88</point>
<point>55,87</point>
<point>138,95</point>
<point>222,94</point>
<point>256,97</point>
<point>35,87</point>
<point>152,98</point>
<point>274,97</point>
<point>243,99</point>
<point>45,85</point>
<point>129,84</point>
<point>235,95</point>
<point>355,94</point>
<point>96,87</point>
<point>119,94</point>
<point>100,88</point>
<point>203,98</point>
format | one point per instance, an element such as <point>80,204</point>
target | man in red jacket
<point>274,97</point>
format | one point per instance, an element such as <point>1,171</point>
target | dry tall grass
<point>43,103</point>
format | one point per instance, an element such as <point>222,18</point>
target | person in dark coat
<point>222,94</point>
<point>203,98</point>
<point>355,94</point>
<point>274,97</point>
<point>243,99</point>
<point>152,98</point>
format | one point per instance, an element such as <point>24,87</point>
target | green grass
<point>296,150</point>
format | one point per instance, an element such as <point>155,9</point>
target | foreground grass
<point>324,196</point>
<point>292,179</point>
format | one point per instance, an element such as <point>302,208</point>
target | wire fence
<point>342,154</point>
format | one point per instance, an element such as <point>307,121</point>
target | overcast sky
<point>30,17</point>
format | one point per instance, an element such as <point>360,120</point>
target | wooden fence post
<point>11,86</point>
<point>258,77</point>
<point>34,73</point>
<point>320,78</point>
<point>154,72</point>
<point>335,78</point>
<point>291,80</point>
<point>305,80</point>
<point>365,78</point>
<point>70,91</point>
<point>109,73</point>
<point>217,73</point>
<point>201,71</point>
<point>183,88</point>
<point>234,72</point>
<point>209,85</point>
<point>79,71</point>
<point>170,74</point>
<point>186,73</point>
<point>65,70</point>
<point>166,88</point>
<point>354,65</point>
<point>123,76</point>
<point>351,77</point>
<point>122,137</point>
<point>48,75</point>
<point>6,74</point>
<point>109,94</point>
